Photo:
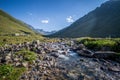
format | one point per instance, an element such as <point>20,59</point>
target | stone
<point>16,59</point>
<point>55,55</point>
<point>3,60</point>
<point>82,60</point>
<point>51,63</point>
<point>24,77</point>
<point>86,53</point>
<point>95,60</point>
<point>65,52</point>
<point>45,65</point>
<point>81,46</point>
<point>103,68</point>
<point>78,48</point>
<point>17,64</point>
<point>24,64</point>
<point>7,57</point>
<point>116,69</point>
<point>9,54</point>
<point>86,77</point>
<point>36,42</point>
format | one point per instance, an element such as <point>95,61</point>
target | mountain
<point>9,25</point>
<point>104,21</point>
<point>41,31</point>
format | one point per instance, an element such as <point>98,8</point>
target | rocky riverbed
<point>58,61</point>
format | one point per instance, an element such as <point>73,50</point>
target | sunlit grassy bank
<point>111,44</point>
<point>18,39</point>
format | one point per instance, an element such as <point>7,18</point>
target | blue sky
<point>49,14</point>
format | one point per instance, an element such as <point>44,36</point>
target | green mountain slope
<point>104,21</point>
<point>13,31</point>
<point>10,25</point>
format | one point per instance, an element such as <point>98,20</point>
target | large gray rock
<point>86,53</point>
<point>115,69</point>
<point>78,48</point>
<point>54,55</point>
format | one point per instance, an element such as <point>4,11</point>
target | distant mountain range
<point>9,25</point>
<point>104,21</point>
<point>41,31</point>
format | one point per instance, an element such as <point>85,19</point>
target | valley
<point>56,61</point>
<point>88,48</point>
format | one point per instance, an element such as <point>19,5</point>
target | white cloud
<point>45,21</point>
<point>69,19</point>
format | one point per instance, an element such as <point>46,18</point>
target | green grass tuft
<point>27,55</point>
<point>8,72</point>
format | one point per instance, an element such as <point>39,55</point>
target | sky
<point>49,15</point>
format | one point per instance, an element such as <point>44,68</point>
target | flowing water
<point>80,68</point>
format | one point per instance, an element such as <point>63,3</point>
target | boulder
<point>86,53</point>
<point>115,69</point>
<point>55,55</point>
<point>79,47</point>
<point>64,53</point>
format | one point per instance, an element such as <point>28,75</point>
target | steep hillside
<point>104,21</point>
<point>13,31</point>
<point>10,25</point>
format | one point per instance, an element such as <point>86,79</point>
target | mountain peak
<point>104,21</point>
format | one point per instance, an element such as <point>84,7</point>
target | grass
<point>8,72</point>
<point>112,44</point>
<point>9,25</point>
<point>18,39</point>
<point>27,55</point>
